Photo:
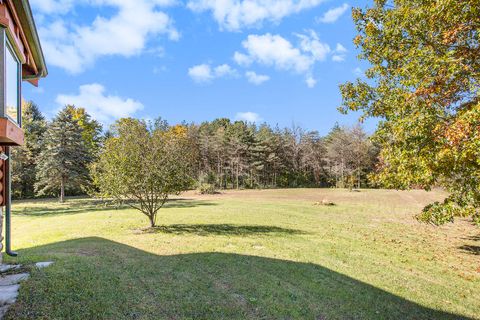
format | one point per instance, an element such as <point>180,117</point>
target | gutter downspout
<point>8,206</point>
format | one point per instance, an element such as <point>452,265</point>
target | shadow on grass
<point>67,210</point>
<point>472,238</point>
<point>471,249</point>
<point>222,229</point>
<point>94,278</point>
<point>187,203</point>
<point>92,205</point>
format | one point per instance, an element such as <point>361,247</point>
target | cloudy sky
<point>278,61</point>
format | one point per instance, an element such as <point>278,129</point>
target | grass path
<point>249,254</point>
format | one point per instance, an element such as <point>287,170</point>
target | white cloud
<point>334,14</point>
<point>60,7</point>
<point>311,43</point>
<point>280,53</point>
<point>340,48</point>
<point>224,70</point>
<point>242,59</point>
<point>256,79</point>
<point>75,47</point>
<point>311,82</point>
<point>248,116</point>
<point>274,50</point>
<point>200,73</point>
<point>339,53</point>
<point>338,58</point>
<point>234,15</point>
<point>52,6</point>
<point>203,73</point>
<point>358,72</point>
<point>104,108</point>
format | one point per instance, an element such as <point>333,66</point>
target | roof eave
<point>25,15</point>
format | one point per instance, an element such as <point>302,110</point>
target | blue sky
<point>257,60</point>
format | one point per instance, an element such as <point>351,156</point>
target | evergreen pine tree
<point>25,157</point>
<point>62,164</point>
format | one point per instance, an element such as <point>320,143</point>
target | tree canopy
<point>91,129</point>
<point>242,155</point>
<point>423,84</point>
<point>25,157</point>
<point>143,164</point>
<point>62,163</point>
<point>227,154</point>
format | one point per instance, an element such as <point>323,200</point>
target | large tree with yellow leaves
<point>424,85</point>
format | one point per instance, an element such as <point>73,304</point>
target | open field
<point>269,254</point>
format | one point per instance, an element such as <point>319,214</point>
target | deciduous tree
<point>91,129</point>
<point>144,164</point>
<point>424,84</point>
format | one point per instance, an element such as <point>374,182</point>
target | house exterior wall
<point>21,58</point>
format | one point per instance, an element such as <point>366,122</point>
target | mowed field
<point>269,254</point>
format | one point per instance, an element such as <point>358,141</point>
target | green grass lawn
<point>269,254</point>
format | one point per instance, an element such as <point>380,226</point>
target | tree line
<point>242,155</point>
<point>59,156</point>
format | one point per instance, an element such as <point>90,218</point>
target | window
<point>12,82</point>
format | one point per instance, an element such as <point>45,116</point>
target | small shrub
<point>440,213</point>
<point>436,213</point>
<point>207,188</point>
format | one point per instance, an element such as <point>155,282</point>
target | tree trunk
<point>219,173</point>
<point>238,185</point>
<point>359,179</point>
<point>62,190</point>
<point>151,217</point>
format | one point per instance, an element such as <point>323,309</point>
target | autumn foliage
<point>424,85</point>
